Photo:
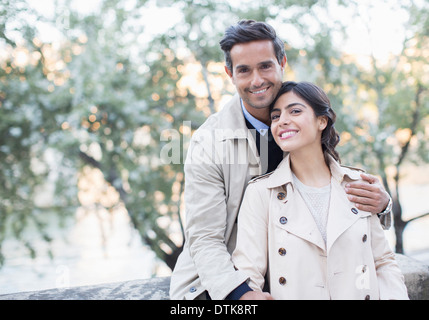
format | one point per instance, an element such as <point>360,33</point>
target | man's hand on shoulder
<point>368,195</point>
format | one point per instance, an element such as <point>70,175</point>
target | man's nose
<point>257,80</point>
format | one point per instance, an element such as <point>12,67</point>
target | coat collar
<point>342,213</point>
<point>231,125</point>
<point>283,174</point>
<point>232,122</point>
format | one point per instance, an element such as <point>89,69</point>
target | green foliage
<point>109,97</point>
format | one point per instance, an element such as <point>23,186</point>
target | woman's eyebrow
<point>295,104</point>
<point>289,106</point>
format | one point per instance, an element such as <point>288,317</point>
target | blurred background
<point>98,100</point>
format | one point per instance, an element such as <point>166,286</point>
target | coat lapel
<point>234,128</point>
<point>342,214</point>
<point>300,221</point>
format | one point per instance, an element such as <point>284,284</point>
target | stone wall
<point>416,279</point>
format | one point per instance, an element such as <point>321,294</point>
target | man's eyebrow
<point>240,66</point>
<point>266,62</point>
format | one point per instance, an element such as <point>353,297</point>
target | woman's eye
<point>274,117</point>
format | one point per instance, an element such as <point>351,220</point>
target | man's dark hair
<point>250,30</point>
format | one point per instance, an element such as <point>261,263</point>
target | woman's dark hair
<point>250,30</point>
<point>319,102</point>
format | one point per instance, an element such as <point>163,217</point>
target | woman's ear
<point>323,122</point>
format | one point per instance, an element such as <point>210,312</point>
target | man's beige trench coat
<point>222,158</point>
<point>278,236</point>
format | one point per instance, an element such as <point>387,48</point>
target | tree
<point>105,97</point>
<point>393,127</point>
<point>102,98</point>
<point>28,127</point>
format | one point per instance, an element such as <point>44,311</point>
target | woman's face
<point>294,124</point>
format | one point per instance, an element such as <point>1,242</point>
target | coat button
<point>282,281</point>
<point>192,290</point>
<point>281,195</point>
<point>282,251</point>
<point>364,238</point>
<point>283,220</point>
<point>355,211</point>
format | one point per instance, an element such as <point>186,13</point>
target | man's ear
<point>284,62</point>
<point>228,72</point>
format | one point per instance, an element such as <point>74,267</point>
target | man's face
<point>256,73</point>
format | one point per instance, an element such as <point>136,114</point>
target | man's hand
<point>368,195</point>
<point>255,295</point>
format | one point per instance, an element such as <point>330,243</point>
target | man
<point>231,147</point>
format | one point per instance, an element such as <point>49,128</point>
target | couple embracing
<point>291,222</point>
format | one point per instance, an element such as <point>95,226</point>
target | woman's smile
<point>287,134</point>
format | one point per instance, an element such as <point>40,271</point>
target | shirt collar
<point>258,125</point>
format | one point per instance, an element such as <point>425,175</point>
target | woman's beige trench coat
<point>278,237</point>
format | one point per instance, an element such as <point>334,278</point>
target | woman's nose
<point>284,120</point>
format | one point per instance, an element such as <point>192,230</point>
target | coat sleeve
<point>206,219</point>
<point>390,279</point>
<point>251,252</point>
<point>386,220</point>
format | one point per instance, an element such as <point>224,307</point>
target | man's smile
<point>259,91</point>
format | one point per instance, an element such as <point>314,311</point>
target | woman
<point>296,227</point>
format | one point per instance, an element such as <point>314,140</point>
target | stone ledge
<point>148,289</point>
<point>416,276</point>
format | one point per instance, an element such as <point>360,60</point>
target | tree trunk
<point>398,224</point>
